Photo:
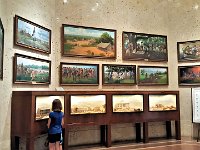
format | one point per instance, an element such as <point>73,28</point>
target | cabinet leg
<point>138,132</point>
<point>168,129</point>
<point>145,132</point>
<point>108,136</point>
<point>14,143</point>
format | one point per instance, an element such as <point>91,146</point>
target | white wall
<point>175,18</point>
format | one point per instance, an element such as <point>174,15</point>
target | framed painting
<point>189,75</point>
<point>127,103</point>
<point>80,41</point>
<point>31,35</point>
<point>30,70</point>
<point>1,49</point>
<point>164,102</point>
<point>43,106</point>
<point>188,51</point>
<point>146,47</point>
<point>152,75</point>
<point>79,74</point>
<point>87,104</point>
<point>119,74</point>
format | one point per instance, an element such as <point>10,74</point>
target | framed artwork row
<point>82,104</point>
<point>31,70</point>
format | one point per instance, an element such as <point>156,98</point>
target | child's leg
<point>57,145</point>
<point>51,146</point>
<point>60,147</point>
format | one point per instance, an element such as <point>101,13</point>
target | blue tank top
<point>56,121</point>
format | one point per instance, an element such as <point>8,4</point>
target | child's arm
<point>62,123</point>
<point>49,122</point>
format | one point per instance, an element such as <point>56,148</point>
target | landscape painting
<point>147,47</point>
<point>162,102</point>
<point>119,74</point>
<point>127,103</point>
<point>88,104</point>
<point>43,106</point>
<point>1,49</point>
<point>152,75</point>
<point>31,70</point>
<point>79,74</point>
<point>189,75</point>
<point>32,36</point>
<point>89,42</point>
<point>189,50</point>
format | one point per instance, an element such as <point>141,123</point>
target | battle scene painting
<point>127,103</point>
<point>162,102</point>
<point>189,75</point>
<point>79,74</point>
<point>89,42</point>
<point>44,106</point>
<point>31,70</point>
<point>150,75</point>
<point>31,35</point>
<point>119,74</point>
<point>188,51</point>
<point>88,104</point>
<point>146,47</point>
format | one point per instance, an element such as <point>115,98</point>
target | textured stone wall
<point>178,19</point>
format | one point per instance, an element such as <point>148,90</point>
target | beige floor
<point>184,144</point>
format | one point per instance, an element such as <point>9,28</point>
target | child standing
<point>55,123</point>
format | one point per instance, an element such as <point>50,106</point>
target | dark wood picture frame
<point>31,70</point>
<point>189,75</point>
<point>79,74</point>
<point>30,35</point>
<point>45,110</point>
<point>188,51</point>
<point>124,104</point>
<point>1,49</point>
<point>144,47</point>
<point>164,103</point>
<point>89,42</point>
<point>89,108</point>
<point>152,75</point>
<point>113,74</point>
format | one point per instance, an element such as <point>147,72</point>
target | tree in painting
<point>153,75</point>
<point>88,42</point>
<point>144,46</point>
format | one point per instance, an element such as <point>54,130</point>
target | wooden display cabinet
<point>24,123</point>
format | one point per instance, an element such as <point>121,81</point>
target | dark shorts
<point>54,137</point>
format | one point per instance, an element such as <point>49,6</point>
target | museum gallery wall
<point>120,55</point>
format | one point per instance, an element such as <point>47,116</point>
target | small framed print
<point>119,74</point>
<point>31,35</point>
<point>145,47</point>
<point>79,74</point>
<point>152,75</point>
<point>90,42</point>
<point>87,104</point>
<point>188,51</point>
<point>30,70</point>
<point>189,75</point>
